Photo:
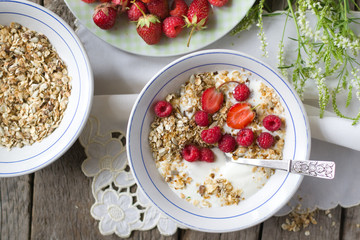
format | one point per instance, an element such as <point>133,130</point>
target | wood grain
<point>62,199</point>
<point>351,223</point>
<point>327,227</point>
<point>248,234</point>
<point>15,207</point>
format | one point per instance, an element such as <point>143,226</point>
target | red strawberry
<point>159,8</point>
<point>197,16</point>
<point>134,13</point>
<point>179,8</point>
<point>88,1</point>
<point>104,1</point>
<point>218,3</point>
<point>211,100</point>
<point>149,28</point>
<point>105,15</point>
<point>172,26</point>
<point>146,1</point>
<point>121,4</point>
<point>240,115</point>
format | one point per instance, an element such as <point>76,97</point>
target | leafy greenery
<point>326,51</point>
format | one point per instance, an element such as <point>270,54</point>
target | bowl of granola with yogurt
<point>46,87</point>
<point>195,115</point>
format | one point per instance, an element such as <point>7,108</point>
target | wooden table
<point>54,203</point>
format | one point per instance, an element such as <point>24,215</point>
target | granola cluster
<point>34,86</point>
<point>168,136</point>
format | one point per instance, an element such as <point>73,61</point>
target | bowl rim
<point>219,51</point>
<point>33,7</point>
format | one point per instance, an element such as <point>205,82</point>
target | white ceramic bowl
<point>257,208</point>
<point>19,161</point>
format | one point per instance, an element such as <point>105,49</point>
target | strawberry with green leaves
<point>197,16</point>
<point>149,27</point>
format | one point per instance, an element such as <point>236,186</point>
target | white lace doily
<point>119,205</point>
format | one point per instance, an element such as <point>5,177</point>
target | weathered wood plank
<point>351,223</point>
<point>248,234</point>
<point>153,234</point>
<point>327,227</point>
<point>59,7</point>
<point>15,207</point>
<point>62,200</point>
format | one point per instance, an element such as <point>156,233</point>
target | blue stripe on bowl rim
<point>84,58</point>
<point>226,64</point>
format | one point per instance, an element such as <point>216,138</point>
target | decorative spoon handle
<point>314,168</point>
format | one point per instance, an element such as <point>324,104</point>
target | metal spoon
<point>314,168</point>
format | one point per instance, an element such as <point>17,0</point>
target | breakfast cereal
<point>245,119</point>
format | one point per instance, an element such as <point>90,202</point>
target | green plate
<point>125,37</point>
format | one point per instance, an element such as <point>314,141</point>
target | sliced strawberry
<point>211,100</point>
<point>240,115</point>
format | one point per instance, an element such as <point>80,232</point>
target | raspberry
<point>218,3</point>
<point>163,109</point>
<point>206,155</point>
<point>241,92</point>
<point>211,135</point>
<point>265,140</point>
<point>172,26</point>
<point>202,118</point>
<point>227,143</point>
<point>179,8</point>
<point>134,13</point>
<point>272,122</point>
<point>190,153</point>
<point>89,1</point>
<point>245,137</point>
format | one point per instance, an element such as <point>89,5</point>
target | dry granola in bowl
<point>46,87</point>
<point>154,145</point>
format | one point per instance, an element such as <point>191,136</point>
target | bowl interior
<point>276,192</point>
<point>24,160</point>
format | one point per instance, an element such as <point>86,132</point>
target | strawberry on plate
<point>218,3</point>
<point>105,15</point>
<point>149,28</point>
<point>240,115</point>
<point>212,100</point>
<point>159,8</point>
<point>197,16</point>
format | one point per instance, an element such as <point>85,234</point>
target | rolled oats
<point>34,86</point>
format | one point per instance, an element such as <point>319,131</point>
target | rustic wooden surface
<point>54,203</point>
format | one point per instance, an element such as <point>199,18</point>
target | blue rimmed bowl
<point>20,161</point>
<point>257,208</point>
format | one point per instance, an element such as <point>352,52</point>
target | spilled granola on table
<point>34,86</point>
<point>169,135</point>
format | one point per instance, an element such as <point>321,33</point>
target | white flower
<point>116,213</point>
<point>104,156</point>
